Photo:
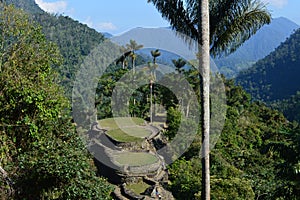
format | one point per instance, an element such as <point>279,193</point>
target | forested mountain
<point>107,35</point>
<point>28,6</point>
<point>257,47</point>
<point>75,40</point>
<point>275,77</point>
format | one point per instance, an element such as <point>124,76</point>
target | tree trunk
<point>123,64</point>
<point>204,64</point>
<point>188,109</point>
<point>8,181</point>
<point>3,172</point>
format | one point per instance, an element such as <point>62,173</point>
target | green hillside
<point>28,6</point>
<point>275,77</point>
<point>75,40</point>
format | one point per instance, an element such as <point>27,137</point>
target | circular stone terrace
<point>132,131</point>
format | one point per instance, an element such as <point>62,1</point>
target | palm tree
<point>123,60</point>
<point>203,22</point>
<point>152,67</point>
<point>132,47</point>
<point>220,28</point>
<point>179,63</point>
<point>155,53</point>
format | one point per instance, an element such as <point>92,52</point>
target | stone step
<point>160,176</point>
<point>118,195</point>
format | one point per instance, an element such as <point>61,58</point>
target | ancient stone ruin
<point>134,166</point>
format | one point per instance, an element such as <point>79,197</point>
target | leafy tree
<point>290,107</point>
<point>41,154</point>
<point>173,121</point>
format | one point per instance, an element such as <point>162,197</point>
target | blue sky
<point>118,16</point>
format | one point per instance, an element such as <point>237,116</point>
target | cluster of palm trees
<point>129,51</point>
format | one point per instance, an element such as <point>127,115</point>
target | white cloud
<point>102,26</point>
<point>276,3</point>
<point>53,7</point>
<point>89,22</point>
<point>106,26</point>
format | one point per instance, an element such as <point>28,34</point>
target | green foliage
<point>173,122</point>
<point>40,150</point>
<point>185,177</point>
<point>28,6</point>
<point>257,155</point>
<point>290,107</point>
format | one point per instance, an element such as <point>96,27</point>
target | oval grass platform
<point>135,158</point>
<point>125,130</point>
<point>115,123</point>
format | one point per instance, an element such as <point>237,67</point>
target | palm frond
<point>231,22</point>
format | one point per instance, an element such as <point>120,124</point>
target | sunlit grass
<point>138,188</point>
<point>137,131</point>
<point>125,129</point>
<point>135,158</point>
<point>115,123</point>
<point>121,136</point>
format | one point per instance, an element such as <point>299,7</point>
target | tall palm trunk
<point>204,65</point>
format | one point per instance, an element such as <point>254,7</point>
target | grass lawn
<point>137,131</point>
<point>129,131</point>
<point>110,123</point>
<point>138,188</point>
<point>121,136</point>
<point>135,158</point>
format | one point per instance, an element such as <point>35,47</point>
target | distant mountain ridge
<point>28,6</point>
<point>107,35</point>
<point>276,77</point>
<point>258,46</point>
<point>155,38</point>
